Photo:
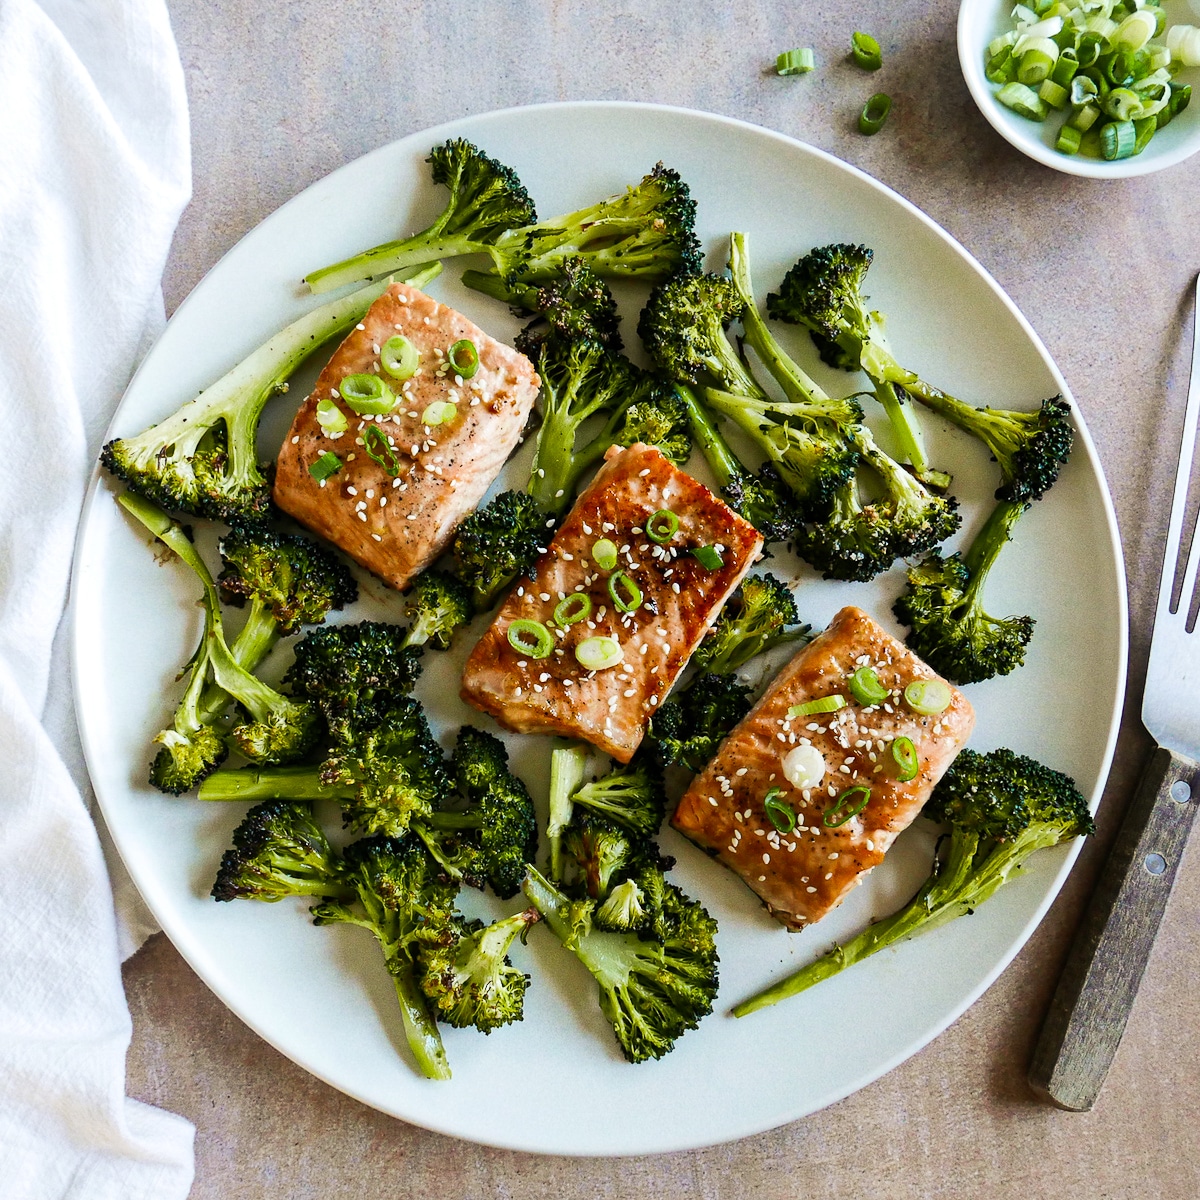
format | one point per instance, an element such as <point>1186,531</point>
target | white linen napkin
<point>94,172</point>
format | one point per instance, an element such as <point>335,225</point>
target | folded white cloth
<point>94,172</point>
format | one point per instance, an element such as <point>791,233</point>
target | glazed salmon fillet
<point>802,874</point>
<point>680,599</point>
<point>396,516</point>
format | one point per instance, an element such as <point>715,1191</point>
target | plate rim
<point>178,932</point>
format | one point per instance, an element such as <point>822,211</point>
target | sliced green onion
<point>1004,42</point>
<point>709,557</point>
<point>795,62</point>
<point>599,653</point>
<point>375,443</point>
<point>331,418</point>
<point>1001,68</point>
<point>625,594</point>
<point>866,688</point>
<point>1117,139</point>
<point>439,412</point>
<point>1181,96</point>
<point>1144,130</point>
<point>865,51</point>
<point>1022,100</point>
<point>1068,140</point>
<point>928,696</point>
<point>1122,104</point>
<point>779,812</point>
<point>399,357</point>
<point>906,765</point>
<point>463,357</point>
<point>1118,68</point>
<point>826,704</point>
<point>1160,56</point>
<point>804,766</point>
<point>576,607</point>
<point>874,113</point>
<point>1065,67</point>
<point>1084,118</point>
<point>530,638</point>
<point>367,394</point>
<point>1083,90</point>
<point>1053,94</point>
<point>604,554</point>
<point>1036,64</point>
<point>1184,43</point>
<point>328,464</point>
<point>1088,49</point>
<point>662,526</point>
<point>849,804</point>
<point>1135,31</point>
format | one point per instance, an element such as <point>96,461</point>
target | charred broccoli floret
<point>602,853</point>
<point>497,543</point>
<point>688,727</point>
<point>436,605</point>
<point>631,795</point>
<point>1000,807</point>
<point>761,614</point>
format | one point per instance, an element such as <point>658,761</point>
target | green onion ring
<point>331,418</point>
<point>375,443</point>
<point>599,653</point>
<point>795,62</point>
<point>530,638</point>
<point>865,51</point>
<point>866,688</point>
<point>604,554</point>
<point>438,413</point>
<point>928,696</point>
<point>905,762</point>
<point>631,601</point>
<point>328,464</point>
<point>834,817</point>
<point>826,704</point>
<point>779,812</point>
<point>368,395</point>
<point>662,526</point>
<point>708,557</point>
<point>399,357</point>
<point>874,113</point>
<point>463,357</point>
<point>576,607</point>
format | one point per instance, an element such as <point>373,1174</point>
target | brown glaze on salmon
<point>680,600</point>
<point>801,875</point>
<point>396,525</point>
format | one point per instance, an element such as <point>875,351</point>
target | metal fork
<point>1100,981</point>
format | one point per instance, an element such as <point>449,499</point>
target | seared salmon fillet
<point>800,875</point>
<point>679,600</point>
<point>396,516</point>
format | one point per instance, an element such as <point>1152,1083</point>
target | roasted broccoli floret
<point>602,853</point>
<point>203,459</point>
<point>624,910</point>
<point>823,292</point>
<point>1000,807</point>
<point>471,982</point>
<point>761,614</point>
<point>688,727</point>
<point>384,767</point>
<point>486,200</point>
<point>278,850</point>
<point>761,496</point>
<point>496,835</point>
<point>497,543</point>
<point>943,608</point>
<point>652,991</point>
<point>436,605</point>
<point>275,728</point>
<point>631,795</point>
<point>402,898</point>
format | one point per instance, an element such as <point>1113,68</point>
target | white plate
<point>556,1083</point>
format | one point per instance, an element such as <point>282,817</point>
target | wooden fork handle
<point>1100,981</point>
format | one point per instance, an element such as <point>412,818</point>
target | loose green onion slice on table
<point>331,418</point>
<point>531,638</point>
<point>604,554</point>
<point>708,557</point>
<point>874,113</point>
<point>463,357</point>
<point>866,688</point>
<point>865,51</point>
<point>928,697</point>
<point>826,704</point>
<point>375,443</point>
<point>625,594</point>
<point>905,763</point>
<point>328,464</point>
<point>849,804</point>
<point>576,607</point>
<point>399,357</point>
<point>662,526</point>
<point>1117,139</point>
<point>795,62</point>
<point>779,812</point>
<point>599,653</point>
<point>438,413</point>
<point>368,395</point>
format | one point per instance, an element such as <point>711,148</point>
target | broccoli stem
<point>407,254</point>
<point>551,479</point>
<point>257,638</point>
<point>989,541</point>
<point>566,774</point>
<point>491,284</point>
<point>273,783</point>
<point>721,460</point>
<point>420,1029</point>
<point>910,439</point>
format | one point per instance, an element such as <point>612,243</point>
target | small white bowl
<point>979,21</point>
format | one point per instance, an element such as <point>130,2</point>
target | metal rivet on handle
<point>1181,793</point>
<point>1155,864</point>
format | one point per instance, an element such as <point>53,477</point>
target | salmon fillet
<point>397,525</point>
<point>680,601</point>
<point>801,875</point>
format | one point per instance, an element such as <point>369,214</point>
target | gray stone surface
<point>281,94</point>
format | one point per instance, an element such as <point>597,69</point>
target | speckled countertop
<point>282,93</point>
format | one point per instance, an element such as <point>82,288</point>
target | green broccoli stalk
<point>651,991</point>
<point>385,768</point>
<point>650,412</point>
<point>943,608</point>
<point>755,619</point>
<point>761,496</point>
<point>486,200</point>
<point>436,605</point>
<point>278,850</point>
<point>823,292</point>
<point>499,542</point>
<point>566,774</point>
<point>1001,808</point>
<point>689,726</point>
<point>631,795</point>
<point>472,982</point>
<point>400,897</point>
<point>203,459</point>
<point>278,729</point>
